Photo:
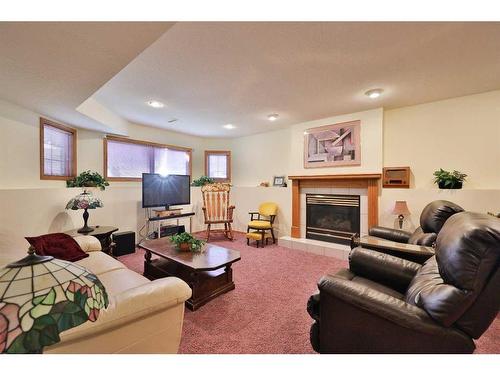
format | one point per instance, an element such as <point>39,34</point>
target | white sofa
<point>143,316</point>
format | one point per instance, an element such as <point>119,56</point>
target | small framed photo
<point>279,181</point>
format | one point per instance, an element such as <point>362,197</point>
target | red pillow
<point>59,245</point>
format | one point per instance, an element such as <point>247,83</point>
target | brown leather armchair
<point>386,304</point>
<point>432,219</point>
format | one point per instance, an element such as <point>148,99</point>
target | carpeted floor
<point>266,313</point>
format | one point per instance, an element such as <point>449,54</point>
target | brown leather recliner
<point>432,219</point>
<point>385,304</point>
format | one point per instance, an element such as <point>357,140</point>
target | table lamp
<point>84,201</point>
<point>40,297</point>
<point>400,209</point>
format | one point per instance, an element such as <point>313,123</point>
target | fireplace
<point>332,217</point>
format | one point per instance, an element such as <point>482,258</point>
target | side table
<point>102,233</point>
<point>414,253</point>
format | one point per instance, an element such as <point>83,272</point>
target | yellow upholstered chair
<point>260,227</point>
<point>216,208</point>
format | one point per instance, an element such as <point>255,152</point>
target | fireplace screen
<point>332,217</point>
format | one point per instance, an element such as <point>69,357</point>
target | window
<point>218,165</point>
<point>127,159</point>
<point>57,151</point>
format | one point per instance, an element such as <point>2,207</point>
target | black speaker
<point>125,243</point>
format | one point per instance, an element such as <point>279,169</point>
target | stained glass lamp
<point>40,297</point>
<point>84,201</point>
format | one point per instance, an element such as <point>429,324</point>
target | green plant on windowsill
<point>186,242</point>
<point>449,180</point>
<point>88,179</point>
<point>203,180</point>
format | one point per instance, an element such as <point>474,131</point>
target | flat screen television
<point>165,191</point>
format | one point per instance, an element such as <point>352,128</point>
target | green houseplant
<point>88,179</point>
<point>203,180</point>
<point>449,180</point>
<point>186,242</point>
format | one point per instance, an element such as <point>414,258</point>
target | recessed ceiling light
<point>229,126</point>
<point>155,104</point>
<point>273,117</point>
<point>375,93</point>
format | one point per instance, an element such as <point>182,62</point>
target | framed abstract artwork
<point>336,145</point>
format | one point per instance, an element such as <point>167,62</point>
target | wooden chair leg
<point>208,232</point>
<point>272,234</point>
<point>230,231</point>
<point>263,234</point>
<point>225,230</point>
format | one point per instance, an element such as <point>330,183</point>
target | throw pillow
<point>58,245</point>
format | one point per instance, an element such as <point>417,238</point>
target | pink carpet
<point>266,313</point>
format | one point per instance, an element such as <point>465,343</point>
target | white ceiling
<point>52,67</point>
<point>211,74</point>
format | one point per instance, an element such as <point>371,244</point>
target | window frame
<point>228,158</point>
<point>144,143</point>
<point>43,123</point>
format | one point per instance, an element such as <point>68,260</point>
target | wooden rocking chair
<point>216,208</point>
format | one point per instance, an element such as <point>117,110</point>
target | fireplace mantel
<point>367,180</point>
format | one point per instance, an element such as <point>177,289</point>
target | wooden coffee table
<point>209,273</point>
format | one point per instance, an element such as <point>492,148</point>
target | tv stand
<point>158,220</point>
<point>167,212</point>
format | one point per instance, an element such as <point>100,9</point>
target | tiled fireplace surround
<point>362,185</point>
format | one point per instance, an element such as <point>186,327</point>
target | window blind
<point>131,160</point>
<point>57,151</point>
<point>217,166</point>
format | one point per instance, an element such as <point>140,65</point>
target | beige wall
<point>260,157</point>
<point>371,144</point>
<point>461,133</point>
<point>19,148</point>
<point>31,206</point>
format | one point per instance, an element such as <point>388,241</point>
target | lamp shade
<point>400,208</point>
<point>84,201</point>
<point>42,296</point>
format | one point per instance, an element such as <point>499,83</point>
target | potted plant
<point>203,180</point>
<point>449,180</point>
<point>88,179</point>
<point>186,242</point>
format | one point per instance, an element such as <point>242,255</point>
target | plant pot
<point>457,185</point>
<point>185,246</point>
